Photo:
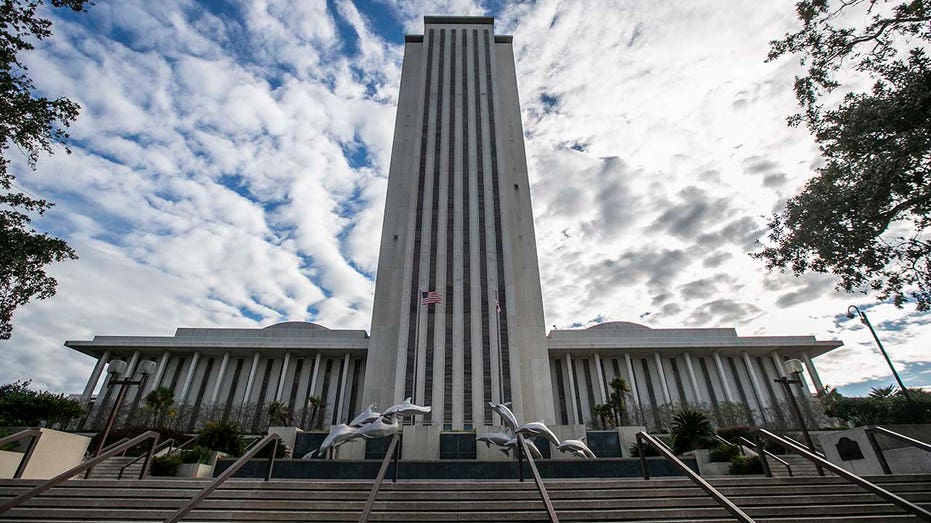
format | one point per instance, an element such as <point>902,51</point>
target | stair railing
<point>871,433</point>
<point>161,446</point>
<point>727,504</point>
<point>758,447</point>
<point>87,473</point>
<point>798,448</point>
<point>238,464</point>
<point>105,455</point>
<point>34,434</point>
<point>392,454</point>
<point>541,488</point>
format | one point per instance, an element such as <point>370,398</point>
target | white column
<point>760,399</point>
<point>724,383</point>
<point>312,389</point>
<point>251,381</point>
<point>340,409</point>
<point>188,379</point>
<point>220,375</point>
<point>572,400</point>
<point>283,375</point>
<point>777,361</point>
<point>662,377</point>
<point>695,388</point>
<point>131,367</point>
<point>159,372</point>
<point>813,372</point>
<point>95,377</point>
<point>633,379</point>
<point>601,380</point>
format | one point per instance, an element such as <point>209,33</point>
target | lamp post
<point>866,321</point>
<point>795,368</point>
<point>116,368</point>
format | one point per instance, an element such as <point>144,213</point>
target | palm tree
<point>315,403</point>
<point>158,400</point>
<point>616,399</point>
<point>882,392</point>
<point>691,429</point>
<point>279,414</point>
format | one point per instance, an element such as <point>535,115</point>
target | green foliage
<point>616,404</point>
<point>281,451</point>
<point>279,414</point>
<point>33,125</point>
<point>723,453</point>
<point>222,436</point>
<point>21,406</point>
<point>165,465</point>
<point>648,450</point>
<point>195,454</point>
<point>733,433</point>
<point>882,392</point>
<point>316,412</point>
<point>746,465</point>
<point>886,410</point>
<point>691,429</point>
<point>158,400</point>
<point>865,214</point>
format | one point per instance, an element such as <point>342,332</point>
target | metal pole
<point>520,460</point>
<point>416,350</point>
<point>500,353</point>
<point>882,350</point>
<point>116,407</point>
<point>643,460</point>
<point>798,416</point>
<point>397,457</point>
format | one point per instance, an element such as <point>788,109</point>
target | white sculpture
<point>366,416</point>
<point>339,435</point>
<point>508,417</point>
<point>577,447</point>
<point>538,428</point>
<point>380,428</point>
<point>405,408</point>
<point>498,438</point>
<point>512,444</point>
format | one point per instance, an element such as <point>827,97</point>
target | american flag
<point>428,297</point>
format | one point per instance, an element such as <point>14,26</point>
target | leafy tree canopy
<point>865,214</point>
<point>30,124</point>
<point>21,406</point>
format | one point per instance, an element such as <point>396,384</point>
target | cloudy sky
<point>230,163</point>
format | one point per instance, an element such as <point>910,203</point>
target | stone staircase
<point>800,466</point>
<point>110,468</point>
<point>828,500</point>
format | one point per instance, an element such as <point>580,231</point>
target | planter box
<point>706,467</point>
<point>194,470</point>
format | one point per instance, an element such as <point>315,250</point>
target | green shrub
<point>888,410</point>
<point>21,406</point>
<point>635,450</point>
<point>281,451</point>
<point>196,454</point>
<point>691,429</point>
<point>724,453</point>
<point>733,433</point>
<point>165,465</point>
<point>746,465</point>
<point>223,437</point>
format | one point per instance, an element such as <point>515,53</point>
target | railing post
<point>271,460</point>
<point>520,461</point>
<point>761,452</point>
<point>147,460</point>
<point>397,458</point>
<point>876,450</point>
<point>643,460</point>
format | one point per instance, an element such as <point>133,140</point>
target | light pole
<point>116,368</point>
<point>866,321</point>
<point>795,368</point>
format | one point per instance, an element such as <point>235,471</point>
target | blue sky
<point>230,163</point>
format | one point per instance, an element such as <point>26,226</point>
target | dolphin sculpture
<point>405,408</point>
<point>338,435</point>
<point>538,428</point>
<point>498,438</point>
<point>512,444</point>
<point>366,416</point>
<point>380,428</point>
<point>577,447</point>
<point>508,417</point>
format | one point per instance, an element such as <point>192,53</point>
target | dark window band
<point>450,237</point>
<point>467,242</point>
<point>483,250</point>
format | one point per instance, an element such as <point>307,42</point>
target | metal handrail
<point>537,479</point>
<point>27,454</point>
<point>47,484</point>
<point>722,500</point>
<point>238,464</point>
<point>392,453</point>
<point>908,506</point>
<point>871,436</point>
<point>87,474</point>
<point>160,446</point>
<point>800,444</point>
<point>760,450</point>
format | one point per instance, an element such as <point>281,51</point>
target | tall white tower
<point>458,221</point>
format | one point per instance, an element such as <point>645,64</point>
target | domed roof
<point>619,325</point>
<point>296,325</point>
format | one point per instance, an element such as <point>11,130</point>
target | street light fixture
<point>118,368</point>
<point>866,321</point>
<point>794,367</point>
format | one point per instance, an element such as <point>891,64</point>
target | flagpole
<point>416,347</point>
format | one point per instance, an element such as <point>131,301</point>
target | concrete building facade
<point>458,222</point>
